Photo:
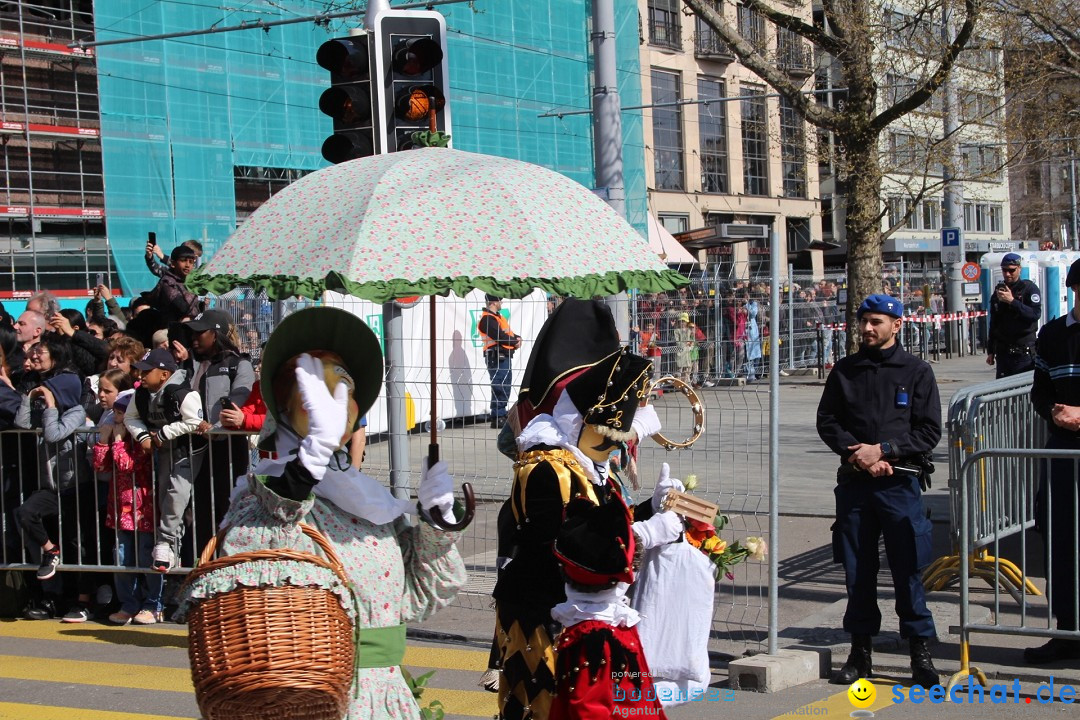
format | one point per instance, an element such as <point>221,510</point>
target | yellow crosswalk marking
<point>838,705</point>
<point>141,677</point>
<point>24,711</point>
<point>440,658</point>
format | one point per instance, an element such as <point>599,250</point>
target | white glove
<point>646,422</point>
<point>660,529</point>
<point>436,489</point>
<point>663,484</point>
<point>327,415</point>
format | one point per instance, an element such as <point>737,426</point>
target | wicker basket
<point>271,653</point>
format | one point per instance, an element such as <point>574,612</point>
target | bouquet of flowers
<point>724,556</point>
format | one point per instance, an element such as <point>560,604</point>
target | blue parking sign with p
<point>951,252</point>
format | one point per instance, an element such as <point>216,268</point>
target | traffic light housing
<point>410,58</point>
<point>348,100</point>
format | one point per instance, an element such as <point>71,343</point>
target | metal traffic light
<point>410,58</point>
<point>349,99</point>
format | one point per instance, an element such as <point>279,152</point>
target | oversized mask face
<point>595,446</point>
<point>292,405</point>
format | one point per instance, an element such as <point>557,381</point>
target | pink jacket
<point>131,493</point>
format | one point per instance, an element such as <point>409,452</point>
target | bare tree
<point>863,38</point>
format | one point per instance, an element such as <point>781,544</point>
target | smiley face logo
<point>862,693</point>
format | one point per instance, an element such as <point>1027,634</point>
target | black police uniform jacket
<point>874,396</point>
<point>1013,325</point>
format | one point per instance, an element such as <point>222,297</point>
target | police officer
<point>499,346</point>
<point>881,408</point>
<point>1015,309</point>
<point>1055,395</point>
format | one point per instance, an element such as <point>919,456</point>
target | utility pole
<point>1072,178</point>
<point>607,133</point>
<point>952,209</point>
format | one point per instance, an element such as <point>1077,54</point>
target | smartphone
<point>100,280</point>
<point>179,332</point>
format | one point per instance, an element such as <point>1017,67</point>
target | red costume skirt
<point>601,674</point>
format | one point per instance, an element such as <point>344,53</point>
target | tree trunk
<point>863,222</point>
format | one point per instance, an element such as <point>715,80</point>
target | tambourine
<point>696,406</point>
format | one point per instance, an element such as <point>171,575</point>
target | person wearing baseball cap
<point>1015,311</point>
<point>223,377</point>
<point>1055,395</point>
<point>880,413</point>
<point>162,417</point>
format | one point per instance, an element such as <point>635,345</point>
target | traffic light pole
<point>607,132</point>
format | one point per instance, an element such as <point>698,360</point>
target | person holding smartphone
<point>1015,311</point>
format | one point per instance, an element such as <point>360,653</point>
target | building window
<point>931,214</point>
<point>826,216</point>
<point>983,217</point>
<point>909,154</point>
<point>707,44</point>
<point>667,131</point>
<point>675,223</point>
<point>1033,186</point>
<point>665,24</point>
<point>712,128</point>
<point>752,28</point>
<point>981,162</point>
<point>798,234</point>
<point>755,142</point>
<point>792,150</point>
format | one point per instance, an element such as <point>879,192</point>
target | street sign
<point>972,288</point>
<point>951,247</point>
<point>971,271</point>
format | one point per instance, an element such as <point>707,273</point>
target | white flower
<point>690,482</point>
<point>757,547</point>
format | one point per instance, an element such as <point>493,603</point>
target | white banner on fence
<point>464,389</point>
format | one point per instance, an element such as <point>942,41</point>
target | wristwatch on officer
<point>887,449</point>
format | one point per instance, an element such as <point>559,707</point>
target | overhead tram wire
<point>320,19</point>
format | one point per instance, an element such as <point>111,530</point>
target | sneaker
<point>120,618</point>
<point>785,373</point>
<point>40,610</point>
<point>163,559</point>
<point>146,617</point>
<point>50,559</point>
<point>78,614</point>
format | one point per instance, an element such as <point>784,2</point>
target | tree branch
<point>937,78</point>
<point>818,36</point>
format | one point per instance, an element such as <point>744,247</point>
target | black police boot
<point>858,663</point>
<point>923,671</point>
<point>1055,650</point>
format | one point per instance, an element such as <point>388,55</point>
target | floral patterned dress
<point>401,574</point>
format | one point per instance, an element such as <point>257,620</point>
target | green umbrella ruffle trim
<point>279,287</point>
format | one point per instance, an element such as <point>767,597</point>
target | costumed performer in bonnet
<point>321,371</point>
<point>601,670</point>
<point>579,402</point>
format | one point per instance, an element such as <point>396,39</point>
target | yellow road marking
<point>103,674</point>
<point>441,658</point>
<point>838,705</point>
<point>23,711</point>
<point>141,677</point>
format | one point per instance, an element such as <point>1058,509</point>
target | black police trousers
<point>866,509</point>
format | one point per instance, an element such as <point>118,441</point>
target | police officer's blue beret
<point>1010,259</point>
<point>881,304</point>
<point>1073,278</point>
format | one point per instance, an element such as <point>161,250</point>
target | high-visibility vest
<point>504,325</point>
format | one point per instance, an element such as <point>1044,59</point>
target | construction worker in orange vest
<point>499,346</point>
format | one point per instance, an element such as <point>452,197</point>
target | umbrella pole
<point>469,504</point>
<point>433,447</point>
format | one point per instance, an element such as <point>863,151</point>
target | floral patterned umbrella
<point>431,221</point>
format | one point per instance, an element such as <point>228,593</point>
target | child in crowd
<point>130,512</point>
<point>164,413</point>
<point>54,407</point>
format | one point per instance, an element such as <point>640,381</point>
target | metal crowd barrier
<point>87,545</point>
<point>927,336</point>
<point>992,416</point>
<point>1029,620</point>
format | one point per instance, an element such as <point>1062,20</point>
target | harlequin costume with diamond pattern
<point>577,375</point>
